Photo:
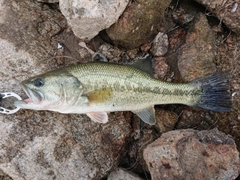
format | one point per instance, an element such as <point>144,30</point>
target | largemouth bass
<point>96,88</point>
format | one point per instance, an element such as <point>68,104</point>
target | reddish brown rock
<point>196,57</point>
<point>190,154</point>
<point>166,120</point>
<point>226,11</point>
<point>144,48</point>
<point>195,118</point>
<point>160,67</point>
<point>138,23</point>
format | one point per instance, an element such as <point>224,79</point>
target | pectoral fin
<point>100,117</point>
<point>147,115</point>
<point>99,96</point>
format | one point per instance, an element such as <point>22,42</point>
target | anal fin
<point>100,117</point>
<point>147,115</point>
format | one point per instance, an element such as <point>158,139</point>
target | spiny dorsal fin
<point>100,117</point>
<point>147,115</point>
<point>99,57</point>
<point>145,64</point>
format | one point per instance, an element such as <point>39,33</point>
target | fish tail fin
<point>214,93</point>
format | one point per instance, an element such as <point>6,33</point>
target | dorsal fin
<point>145,64</point>
<point>99,57</point>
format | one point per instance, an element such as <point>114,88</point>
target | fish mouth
<point>34,96</point>
<point>34,99</point>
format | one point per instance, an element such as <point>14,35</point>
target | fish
<point>97,88</point>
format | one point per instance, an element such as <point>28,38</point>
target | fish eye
<point>39,82</point>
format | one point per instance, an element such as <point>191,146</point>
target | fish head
<point>50,91</point>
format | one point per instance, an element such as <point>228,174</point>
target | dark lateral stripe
<point>165,91</point>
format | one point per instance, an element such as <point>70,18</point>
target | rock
<point>195,118</point>
<point>132,55</point>
<point>110,52</point>
<point>63,147</point>
<point>4,176</point>
<point>116,55</point>
<point>160,44</point>
<point>226,11</point>
<point>196,57</point>
<point>144,48</point>
<point>41,144</point>
<point>120,174</point>
<point>227,58</point>
<point>176,41</point>
<point>21,30</point>
<point>138,24</point>
<point>181,17</point>
<point>191,154</point>
<point>88,18</point>
<point>160,68</point>
<point>48,1</point>
<point>166,120</point>
<point>142,135</point>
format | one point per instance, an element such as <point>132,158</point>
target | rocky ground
<point>188,39</point>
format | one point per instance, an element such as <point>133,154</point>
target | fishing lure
<point>6,95</point>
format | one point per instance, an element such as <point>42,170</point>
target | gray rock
<point>226,11</point>
<point>160,44</point>
<point>47,146</point>
<point>121,174</point>
<point>110,52</point>
<point>48,1</point>
<point>88,18</point>
<point>4,176</point>
<point>191,154</point>
<point>40,144</point>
